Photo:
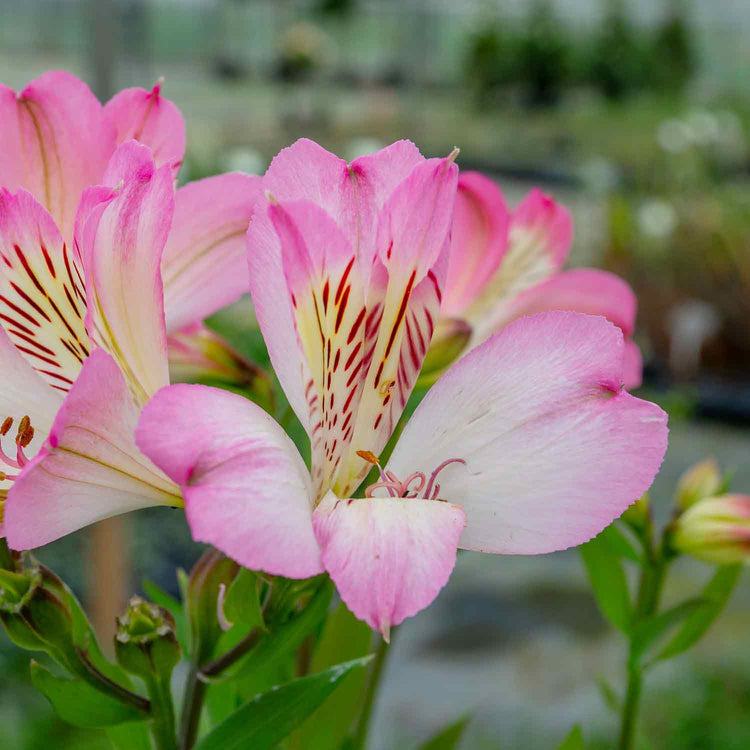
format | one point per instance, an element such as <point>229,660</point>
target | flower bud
<point>449,340</point>
<point>716,530</point>
<point>698,482</point>
<point>34,609</point>
<point>213,571</point>
<point>196,354</point>
<point>638,514</point>
<point>146,644</point>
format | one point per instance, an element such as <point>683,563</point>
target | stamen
<point>24,436</point>
<point>434,474</point>
<point>396,488</point>
<point>387,479</point>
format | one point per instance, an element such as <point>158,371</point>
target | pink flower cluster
<point>528,443</point>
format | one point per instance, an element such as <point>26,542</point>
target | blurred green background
<point>634,113</point>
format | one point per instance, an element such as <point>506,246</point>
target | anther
<point>7,424</point>
<point>26,438</point>
<point>368,456</point>
<point>23,425</point>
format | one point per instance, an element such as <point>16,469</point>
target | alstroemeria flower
<point>57,140</point>
<point>84,339</point>
<point>528,444</point>
<point>507,264</point>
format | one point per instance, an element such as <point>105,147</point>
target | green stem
<point>649,592</point>
<point>630,710</point>
<point>197,683</point>
<point>162,708</point>
<point>376,672</point>
<point>192,702</point>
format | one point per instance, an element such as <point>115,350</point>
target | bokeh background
<point>636,114</point>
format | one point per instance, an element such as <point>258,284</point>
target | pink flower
<point>93,280</point>
<point>507,264</point>
<point>528,444</point>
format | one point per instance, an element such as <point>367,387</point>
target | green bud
<point>146,644</point>
<point>715,530</point>
<point>699,482</point>
<point>448,341</point>
<point>212,571</point>
<point>34,610</point>
<point>638,514</point>
<point>197,354</point>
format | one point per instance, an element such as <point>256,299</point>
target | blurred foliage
<point>544,56</point>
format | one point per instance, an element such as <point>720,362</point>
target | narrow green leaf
<point>344,637</point>
<point>620,543</point>
<point>715,596</point>
<point>448,737</point>
<point>609,696</point>
<point>163,599</point>
<point>574,741</point>
<point>77,703</point>
<point>242,602</point>
<point>277,644</point>
<point>269,717</point>
<point>130,736</point>
<point>649,630</point>
<point>608,581</point>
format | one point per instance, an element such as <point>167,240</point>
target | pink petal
<point>24,392</point>
<point>554,448</point>
<point>416,219</point>
<point>89,468</point>
<point>121,242</point>
<point>352,194</point>
<point>389,557</point>
<point>586,290</point>
<point>414,246</point>
<point>42,302</point>
<point>632,367</point>
<point>479,240</point>
<point>541,221</point>
<point>56,141</point>
<point>246,488</point>
<point>151,119</point>
<point>204,265</point>
<point>329,311</point>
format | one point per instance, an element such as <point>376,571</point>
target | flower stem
<point>649,592</point>
<point>197,683</point>
<point>192,703</point>
<point>162,723</point>
<point>363,724</point>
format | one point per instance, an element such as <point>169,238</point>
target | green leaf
<point>574,741</point>
<point>269,717</point>
<point>448,737</point>
<point>163,599</point>
<point>344,637</point>
<point>647,631</point>
<point>609,696</point>
<point>77,703</point>
<point>715,595</point>
<point>277,644</point>
<point>608,581</point>
<point>620,543</point>
<point>242,601</point>
<point>130,736</point>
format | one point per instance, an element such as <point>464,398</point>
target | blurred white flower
<point>704,126</point>
<point>242,159</point>
<point>656,218</point>
<point>363,146</point>
<point>674,135</point>
<point>600,174</point>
